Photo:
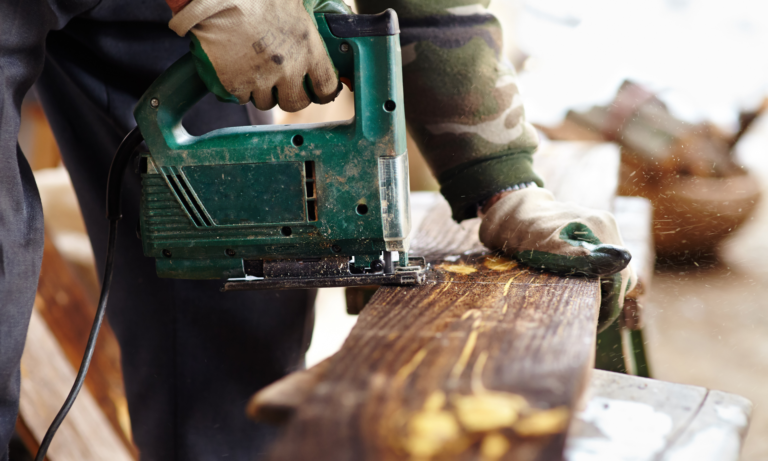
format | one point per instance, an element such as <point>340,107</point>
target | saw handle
<point>180,87</point>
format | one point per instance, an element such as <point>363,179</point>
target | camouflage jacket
<point>462,103</point>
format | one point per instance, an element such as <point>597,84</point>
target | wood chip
<point>546,422</point>
<point>457,268</point>
<point>488,411</point>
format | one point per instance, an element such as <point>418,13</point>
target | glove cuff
<point>482,180</point>
<point>497,217</point>
<point>195,12</point>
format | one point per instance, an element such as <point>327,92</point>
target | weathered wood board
<point>486,361</point>
<point>66,313</point>
<point>625,417</point>
<point>46,377</point>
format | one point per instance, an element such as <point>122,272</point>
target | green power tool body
<point>291,206</point>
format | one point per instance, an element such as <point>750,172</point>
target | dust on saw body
<point>284,206</point>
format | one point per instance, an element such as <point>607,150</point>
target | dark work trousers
<point>191,355</point>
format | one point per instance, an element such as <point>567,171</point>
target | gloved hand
<point>529,225</point>
<point>268,51</point>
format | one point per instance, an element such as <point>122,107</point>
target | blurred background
<point>677,85</point>
<point>707,312</point>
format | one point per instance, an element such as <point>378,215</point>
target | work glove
<point>266,51</point>
<point>529,225</point>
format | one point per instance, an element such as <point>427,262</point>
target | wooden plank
<point>486,361</point>
<point>36,138</point>
<point>625,417</point>
<point>66,228</point>
<point>68,311</point>
<point>46,377</point>
<point>277,403</point>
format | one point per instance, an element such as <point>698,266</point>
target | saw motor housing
<point>284,206</point>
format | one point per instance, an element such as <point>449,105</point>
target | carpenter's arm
<point>465,113</point>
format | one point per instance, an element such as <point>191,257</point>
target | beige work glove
<point>267,51</point>
<point>565,238</point>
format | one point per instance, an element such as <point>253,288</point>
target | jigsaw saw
<point>291,206</point>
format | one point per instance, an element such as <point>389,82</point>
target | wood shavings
<point>499,263</point>
<point>447,425</point>
<point>430,433</point>
<point>493,446</point>
<point>488,411</point>
<point>457,268</point>
<point>403,373</point>
<point>506,286</point>
<point>471,313</point>
<point>435,401</point>
<point>469,346</point>
<point>544,422</point>
<point>433,430</point>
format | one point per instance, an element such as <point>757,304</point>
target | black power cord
<point>114,189</point>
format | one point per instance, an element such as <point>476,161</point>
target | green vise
<point>287,206</point>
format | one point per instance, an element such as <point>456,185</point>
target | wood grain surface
<point>46,377</point>
<point>488,360</point>
<point>68,312</point>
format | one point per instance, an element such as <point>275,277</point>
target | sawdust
<point>493,446</point>
<point>499,263</point>
<point>469,346</point>
<point>508,284</point>
<point>488,411</point>
<point>457,268</point>
<point>447,425</point>
<point>543,422</point>
<point>431,432</point>
<point>403,373</point>
<point>470,313</point>
<point>435,401</point>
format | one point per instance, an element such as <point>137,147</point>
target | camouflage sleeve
<point>462,104</point>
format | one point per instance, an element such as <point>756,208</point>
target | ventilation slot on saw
<point>188,201</point>
<point>309,174</point>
